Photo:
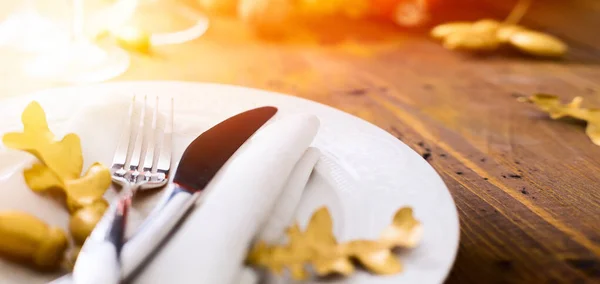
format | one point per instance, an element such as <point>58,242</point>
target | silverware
<point>200,162</point>
<point>139,163</point>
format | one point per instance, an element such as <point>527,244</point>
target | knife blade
<point>200,162</point>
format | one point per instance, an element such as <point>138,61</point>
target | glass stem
<point>78,21</point>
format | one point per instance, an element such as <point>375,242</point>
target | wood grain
<point>527,188</point>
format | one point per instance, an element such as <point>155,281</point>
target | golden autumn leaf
<point>63,157</point>
<point>279,256</point>
<point>553,106</point>
<point>61,161</point>
<point>298,271</point>
<point>442,31</point>
<point>35,127</point>
<point>79,192</point>
<point>27,238</point>
<point>318,247</point>
<point>489,35</point>
<point>320,228</point>
<point>338,265</point>
<point>256,251</point>
<point>89,187</point>
<point>40,178</point>
<point>85,219</point>
<point>593,131</point>
<point>376,257</point>
<point>59,167</point>
<point>405,231</point>
<point>294,234</point>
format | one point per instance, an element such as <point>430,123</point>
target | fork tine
<point>150,159</point>
<point>164,161</point>
<point>136,156</point>
<point>122,151</point>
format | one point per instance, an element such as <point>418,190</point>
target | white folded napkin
<point>212,243</point>
<point>255,194</point>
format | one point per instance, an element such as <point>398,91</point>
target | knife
<point>199,163</point>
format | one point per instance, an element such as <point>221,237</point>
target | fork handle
<point>156,228</point>
<point>98,261</point>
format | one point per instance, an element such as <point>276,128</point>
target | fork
<point>139,164</point>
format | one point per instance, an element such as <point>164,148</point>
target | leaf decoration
<point>376,257</point>
<point>489,35</point>
<point>61,161</point>
<point>79,192</point>
<point>63,157</point>
<point>40,178</point>
<point>552,105</point>
<point>318,248</point>
<point>59,167</point>
<point>85,219</point>
<point>26,238</point>
<point>89,188</point>
<point>405,232</point>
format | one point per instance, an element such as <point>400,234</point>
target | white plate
<point>383,173</point>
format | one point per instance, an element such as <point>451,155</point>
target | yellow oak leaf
<point>405,230</point>
<point>320,228</point>
<point>381,261</point>
<point>35,127</point>
<point>61,161</point>
<point>317,247</point>
<point>27,238</point>
<point>256,252</point>
<point>89,188</point>
<point>338,265</point>
<point>294,234</point>
<point>60,165</point>
<point>489,35</point>
<point>63,157</point>
<point>553,106</point>
<point>40,178</point>
<point>375,256</point>
<point>79,192</point>
<point>593,131</point>
<point>298,272</point>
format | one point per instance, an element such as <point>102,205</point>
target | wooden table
<point>527,188</point>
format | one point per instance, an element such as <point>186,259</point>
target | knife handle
<point>165,216</point>
<point>98,261</point>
